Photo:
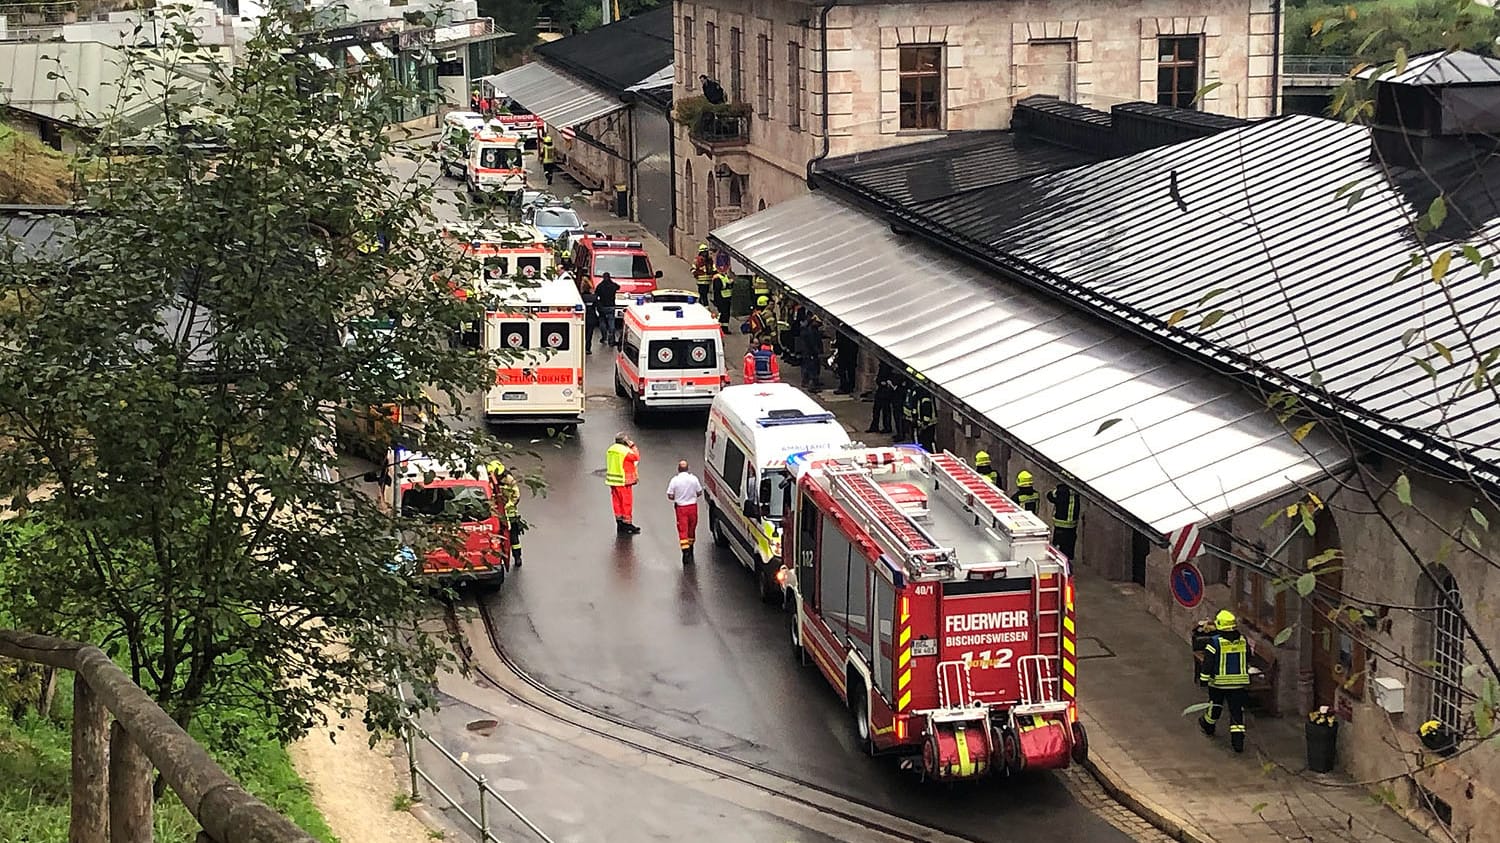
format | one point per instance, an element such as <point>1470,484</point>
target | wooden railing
<point>113,760</point>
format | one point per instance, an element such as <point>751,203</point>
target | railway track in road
<point>803,801</point>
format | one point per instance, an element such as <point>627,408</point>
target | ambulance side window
<point>833,579</point>
<point>555,335</point>
<point>632,350</point>
<point>808,518</point>
<point>734,468</point>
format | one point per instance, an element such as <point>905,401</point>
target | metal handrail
<point>1317,65</point>
<point>111,782</point>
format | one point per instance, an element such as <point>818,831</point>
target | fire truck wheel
<point>859,708</point>
<point>1080,744</point>
<point>1010,750</point>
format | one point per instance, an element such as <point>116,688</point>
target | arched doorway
<point>762,205</point>
<point>1338,659</point>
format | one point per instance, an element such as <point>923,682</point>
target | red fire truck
<point>938,609</point>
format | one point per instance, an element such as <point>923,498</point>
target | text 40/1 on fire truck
<point>938,609</point>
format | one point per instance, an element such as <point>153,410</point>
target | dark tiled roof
<point>960,162</point>
<point>618,55</point>
<point>1305,280</point>
<point>1182,116</point>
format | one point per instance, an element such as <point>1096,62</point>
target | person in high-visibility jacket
<point>1226,671</point>
<point>924,419</point>
<point>548,153</point>
<point>507,489</point>
<point>621,475</point>
<point>761,365</point>
<point>1064,518</point>
<point>703,273</point>
<point>723,290</point>
<point>984,467</point>
<point>759,321</point>
<point>1026,494</point>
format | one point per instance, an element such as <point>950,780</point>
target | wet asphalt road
<point>621,626</point>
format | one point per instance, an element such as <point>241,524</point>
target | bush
<point>1417,26</point>
<point>690,111</point>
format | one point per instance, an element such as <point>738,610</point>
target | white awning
<point>553,96</point>
<point>380,49</point>
<point>1189,447</point>
<point>356,53</point>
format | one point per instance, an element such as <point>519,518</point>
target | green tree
<point>1374,30</point>
<point>169,379</point>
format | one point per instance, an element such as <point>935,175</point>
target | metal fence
<point>1317,65</point>
<point>412,735</point>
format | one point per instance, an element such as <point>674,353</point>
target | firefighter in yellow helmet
<point>1026,494</point>
<point>548,155</point>
<point>983,466</point>
<point>703,273</point>
<point>1226,671</point>
<point>506,489</point>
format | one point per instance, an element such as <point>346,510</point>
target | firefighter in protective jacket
<point>761,365</point>
<point>507,489</point>
<point>1226,671</point>
<point>1026,494</point>
<point>983,466</point>
<point>703,273</point>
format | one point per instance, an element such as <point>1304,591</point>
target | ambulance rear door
<point>541,379</point>
<point>679,365</point>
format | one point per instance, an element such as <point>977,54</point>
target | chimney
<point>1432,111</point>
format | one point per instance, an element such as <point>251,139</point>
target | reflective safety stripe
<point>1068,517</point>
<point>965,762</point>
<point>1234,668</point>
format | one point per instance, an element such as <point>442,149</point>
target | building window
<point>763,79</point>
<point>1448,655</point>
<point>688,210</point>
<point>1051,69</point>
<point>736,66</point>
<point>711,49</point>
<point>688,37</point>
<point>794,85</point>
<point>1259,602</point>
<point>1178,71</point>
<point>1219,535</point>
<point>922,87</point>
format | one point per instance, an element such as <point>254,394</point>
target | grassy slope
<point>34,768</point>
<point>31,173</point>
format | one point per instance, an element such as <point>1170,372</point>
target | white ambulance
<point>752,430</point>
<point>671,357</point>
<point>539,379</point>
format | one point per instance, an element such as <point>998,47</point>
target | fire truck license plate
<point>924,647</point>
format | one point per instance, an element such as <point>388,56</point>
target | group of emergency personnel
<point>715,281</point>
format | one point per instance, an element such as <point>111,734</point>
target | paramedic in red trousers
<point>621,475</point>
<point>761,365</point>
<point>683,491</point>
<point>1226,671</point>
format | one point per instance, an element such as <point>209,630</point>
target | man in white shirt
<point>683,491</point>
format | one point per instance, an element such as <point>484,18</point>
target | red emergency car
<point>626,262</point>
<point>456,498</point>
<point>938,609</point>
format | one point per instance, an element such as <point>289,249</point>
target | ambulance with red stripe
<point>938,609</point>
<point>671,357</point>
<point>537,330</point>
<point>497,163</point>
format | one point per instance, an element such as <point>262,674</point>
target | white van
<point>453,144</point>
<point>541,381</point>
<point>671,357</point>
<point>752,430</point>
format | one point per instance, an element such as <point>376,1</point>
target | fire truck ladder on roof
<point>982,496</point>
<point>852,485</point>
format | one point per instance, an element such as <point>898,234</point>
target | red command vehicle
<point>458,498</point>
<point>626,262</point>
<point>938,610</point>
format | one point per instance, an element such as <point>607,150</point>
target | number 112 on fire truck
<point>936,607</point>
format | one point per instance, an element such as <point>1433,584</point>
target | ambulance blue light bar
<point>779,418</point>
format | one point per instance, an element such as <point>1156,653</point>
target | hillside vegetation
<point>32,173</point>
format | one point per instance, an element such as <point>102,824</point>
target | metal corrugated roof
<point>1440,68</point>
<point>961,162</point>
<point>1308,282</point>
<point>79,83</point>
<point>1190,447</point>
<point>554,96</point>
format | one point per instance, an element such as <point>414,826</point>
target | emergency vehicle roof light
<point>777,418</point>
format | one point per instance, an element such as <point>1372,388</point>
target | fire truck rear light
<point>900,727</point>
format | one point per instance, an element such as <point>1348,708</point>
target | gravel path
<point>355,786</point>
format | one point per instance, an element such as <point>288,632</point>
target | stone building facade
<point>890,81</point>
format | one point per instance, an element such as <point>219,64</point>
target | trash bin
<point>1322,745</point>
<point>622,201</point>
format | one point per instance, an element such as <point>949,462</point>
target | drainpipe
<point>823,50</point>
<point>1276,58</point>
